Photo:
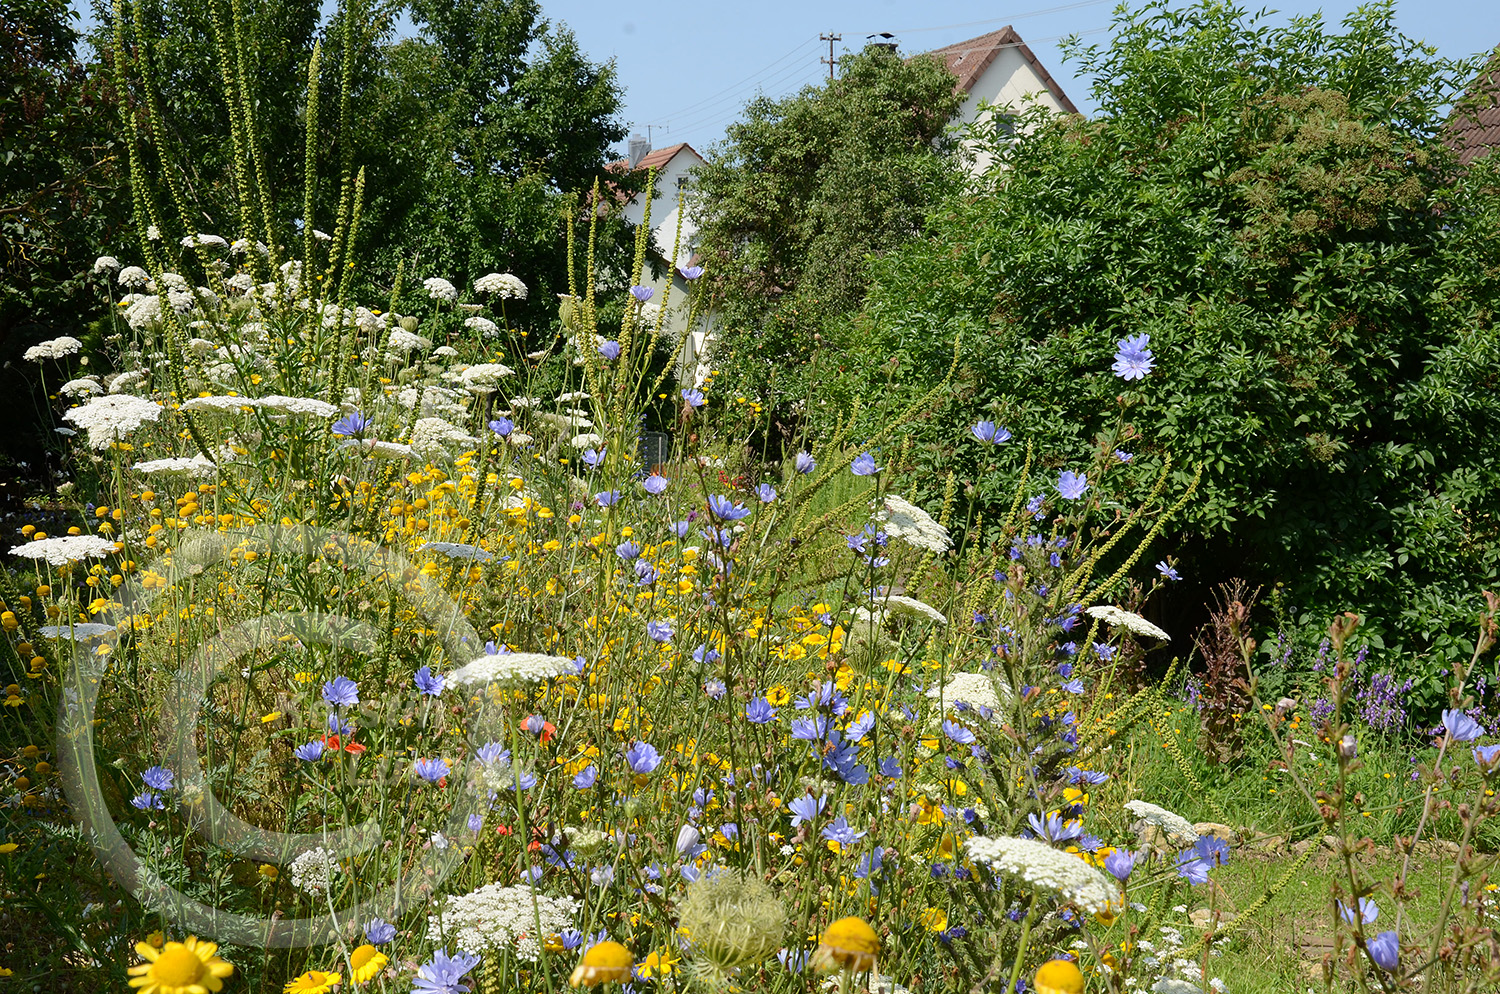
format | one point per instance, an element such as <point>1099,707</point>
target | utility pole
<point>830,38</point>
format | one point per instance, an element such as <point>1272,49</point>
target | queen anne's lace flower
<point>1127,620</point>
<point>457,550</point>
<point>54,348</point>
<point>196,466</point>
<point>403,341</point>
<point>306,406</point>
<point>977,690</point>
<point>512,667</point>
<point>109,419</point>
<point>503,285</point>
<point>126,380</point>
<point>207,241</point>
<point>218,404</point>
<point>484,326</point>
<point>501,919</point>
<point>313,870</point>
<point>1045,868</point>
<point>106,264</point>
<point>65,549</point>
<point>485,377</point>
<point>134,276</point>
<point>430,437</point>
<point>910,606</point>
<point>440,289</point>
<point>913,525</point>
<point>86,387</point>
<point>1177,827</point>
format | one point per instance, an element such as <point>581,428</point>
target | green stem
<point>1015,969</point>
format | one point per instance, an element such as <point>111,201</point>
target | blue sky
<point>687,71</point>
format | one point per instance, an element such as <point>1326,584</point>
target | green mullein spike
<point>244,199</point>
<point>342,299</point>
<point>257,154</point>
<point>342,245</point>
<point>139,191</point>
<point>1140,549</point>
<point>310,155</point>
<point>1085,570</point>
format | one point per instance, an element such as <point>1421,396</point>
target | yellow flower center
<point>361,956</point>
<point>177,966</point>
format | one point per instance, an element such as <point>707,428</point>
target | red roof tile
<point>1474,125</point>
<point>969,59</point>
<point>656,158</point>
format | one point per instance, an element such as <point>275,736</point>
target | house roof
<point>655,158</point>
<point>969,59</point>
<point>1474,126</point>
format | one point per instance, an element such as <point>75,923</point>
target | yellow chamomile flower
<point>605,962</point>
<point>847,944</point>
<point>312,982</point>
<point>365,964</point>
<point>1059,976</point>
<point>188,967</point>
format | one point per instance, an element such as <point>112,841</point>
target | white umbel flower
<point>979,691</point>
<point>207,241</point>
<point>1045,868</point>
<point>402,341</point>
<point>501,919</point>
<point>313,870</point>
<point>54,348</point>
<point>134,276</point>
<point>196,466</point>
<point>430,437</point>
<point>457,550</point>
<point>309,407</point>
<point>65,549</point>
<point>126,380</point>
<point>1178,828</point>
<point>503,285</point>
<point>218,404</point>
<point>440,289</point>
<point>913,525</point>
<point>1127,620</point>
<point>109,419</point>
<point>512,668</point>
<point>385,450</point>
<point>78,632</point>
<point>899,604</point>
<point>86,387</point>
<point>106,264</point>
<point>484,326</point>
<point>485,377</point>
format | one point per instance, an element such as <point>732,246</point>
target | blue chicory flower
<point>1133,360</point>
<point>431,770</point>
<point>502,426</point>
<point>760,712</point>
<point>609,349</point>
<point>988,431</point>
<point>428,682</point>
<point>1460,727</point>
<point>766,493</point>
<point>311,752</point>
<point>863,465</point>
<point>1385,950</point>
<point>351,425</point>
<point>690,273</point>
<point>341,692</point>
<point>806,808</point>
<point>725,509</point>
<point>642,757</point>
<point>444,974</point>
<point>655,484</point>
<point>692,398</point>
<point>1070,485</point>
<point>1167,572</point>
<point>158,778</point>
<point>379,932</point>
<point>642,293</point>
<point>804,463</point>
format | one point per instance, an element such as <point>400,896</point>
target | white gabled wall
<point>1008,83</point>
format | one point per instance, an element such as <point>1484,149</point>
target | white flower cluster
<point>54,348</point>
<point>913,525</point>
<point>977,690</point>
<point>313,870</point>
<point>126,380</point>
<point>106,264</point>
<point>134,276</point>
<point>457,550</point>
<point>511,668</point>
<point>196,466</point>
<point>86,387</point>
<point>108,419</point>
<point>306,406</point>
<point>440,289</point>
<point>484,326</point>
<point>503,285</point>
<point>207,241</point>
<point>431,436</point>
<point>217,404</point>
<point>1177,827</point>
<point>65,549</point>
<point>1127,620</point>
<point>501,918</point>
<point>403,341</point>
<point>485,377</point>
<point>899,604</point>
<point>1045,868</point>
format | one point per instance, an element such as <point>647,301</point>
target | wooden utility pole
<point>830,38</point>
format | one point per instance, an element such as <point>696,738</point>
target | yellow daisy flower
<point>849,944</point>
<point>312,982</point>
<point>1059,976</point>
<point>188,967</point>
<point>365,964</point>
<point>604,962</point>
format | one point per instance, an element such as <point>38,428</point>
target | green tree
<point>806,191</point>
<point>1276,209</point>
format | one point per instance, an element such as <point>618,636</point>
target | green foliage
<point>807,190</point>
<point>1276,209</point>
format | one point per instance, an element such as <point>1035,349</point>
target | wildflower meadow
<point>378,643</point>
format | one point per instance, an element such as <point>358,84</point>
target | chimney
<point>639,148</point>
<point>882,39</point>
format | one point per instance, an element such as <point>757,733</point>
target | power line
<point>759,72</point>
<point>1007,19</point>
<point>735,102</point>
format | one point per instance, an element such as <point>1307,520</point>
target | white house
<point>1000,75</point>
<point>672,165</point>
